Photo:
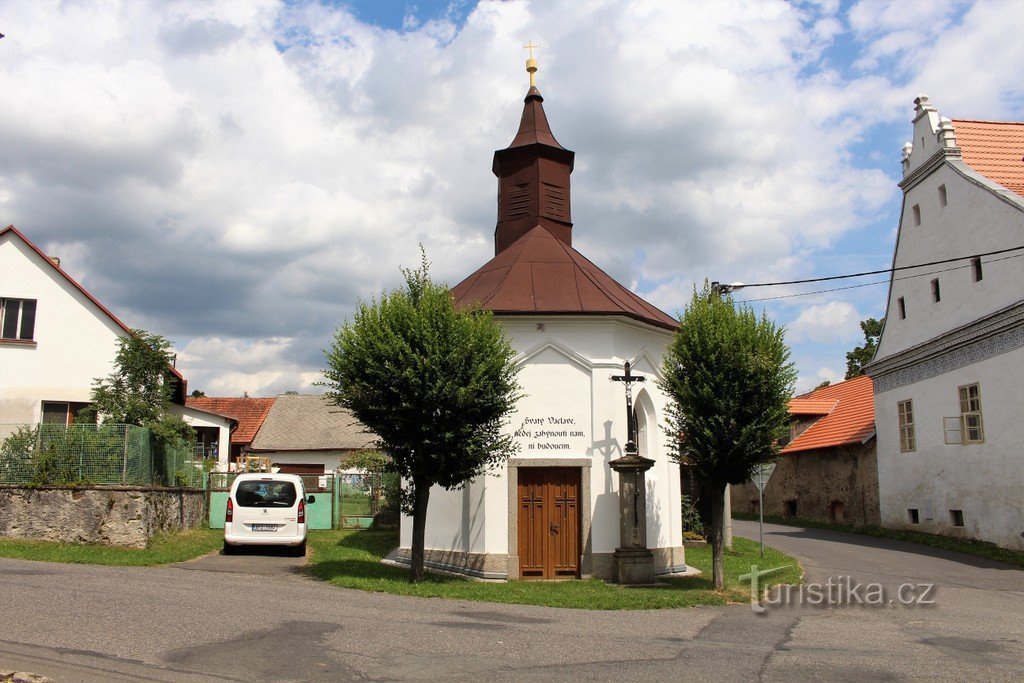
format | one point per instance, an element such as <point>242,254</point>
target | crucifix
<point>531,63</point>
<point>628,379</point>
<point>632,561</point>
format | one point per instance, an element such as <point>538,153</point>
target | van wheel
<point>299,550</point>
<point>230,549</point>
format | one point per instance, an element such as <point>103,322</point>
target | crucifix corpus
<point>633,561</point>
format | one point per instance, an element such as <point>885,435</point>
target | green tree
<point>139,390</point>
<point>433,382</point>
<point>196,393</point>
<point>728,375</point>
<point>862,355</point>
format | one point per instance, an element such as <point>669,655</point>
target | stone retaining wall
<point>109,515</point>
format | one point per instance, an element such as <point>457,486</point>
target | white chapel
<point>553,511</point>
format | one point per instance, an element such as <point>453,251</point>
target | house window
<point>66,413</point>
<point>956,517</point>
<point>943,199</point>
<point>916,210</point>
<point>913,516</point>
<point>903,308</point>
<point>17,319</point>
<point>970,413</point>
<point>908,440</point>
<point>936,295</point>
<point>976,266</point>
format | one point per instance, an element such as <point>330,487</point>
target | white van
<point>266,509</point>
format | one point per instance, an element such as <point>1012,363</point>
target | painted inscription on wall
<point>549,434</point>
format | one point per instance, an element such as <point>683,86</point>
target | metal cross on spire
<point>531,63</point>
<point>628,379</point>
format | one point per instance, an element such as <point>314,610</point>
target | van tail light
<point>228,516</point>
<point>302,512</point>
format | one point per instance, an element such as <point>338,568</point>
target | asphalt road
<point>258,618</point>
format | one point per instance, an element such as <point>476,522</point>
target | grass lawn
<point>352,559</point>
<point>162,549</point>
<point>988,551</point>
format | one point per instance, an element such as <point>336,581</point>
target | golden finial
<point>531,63</point>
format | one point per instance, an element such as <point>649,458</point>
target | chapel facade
<point>553,510</point>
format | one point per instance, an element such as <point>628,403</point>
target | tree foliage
<point>729,378</point>
<point>433,382</point>
<point>139,389</point>
<point>862,355</point>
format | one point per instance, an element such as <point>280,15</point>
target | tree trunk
<point>421,495</point>
<point>716,492</point>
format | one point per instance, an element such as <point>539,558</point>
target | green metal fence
<point>54,454</point>
<point>320,514</point>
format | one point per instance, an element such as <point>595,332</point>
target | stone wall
<point>109,515</point>
<point>837,485</point>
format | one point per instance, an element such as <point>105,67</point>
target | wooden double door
<point>549,522</point>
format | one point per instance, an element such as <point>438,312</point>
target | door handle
<point>553,528</point>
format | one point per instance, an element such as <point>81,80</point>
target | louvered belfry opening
<point>533,180</point>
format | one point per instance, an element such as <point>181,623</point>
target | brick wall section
<point>815,480</point>
<point>121,516</point>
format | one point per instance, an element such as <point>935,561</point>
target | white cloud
<point>832,323</point>
<point>806,383</point>
<point>236,175</point>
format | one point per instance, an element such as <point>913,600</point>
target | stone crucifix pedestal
<point>633,562</point>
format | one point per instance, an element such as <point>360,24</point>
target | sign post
<point>760,476</point>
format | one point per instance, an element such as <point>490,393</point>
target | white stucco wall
<point>75,342</point>
<point>985,480</point>
<point>949,232</point>
<point>975,220</point>
<point>331,460</point>
<point>566,371</point>
<point>201,418</point>
<point>925,357</point>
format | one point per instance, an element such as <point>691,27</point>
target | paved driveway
<point>74,622</point>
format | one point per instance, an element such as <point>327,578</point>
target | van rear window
<point>265,494</point>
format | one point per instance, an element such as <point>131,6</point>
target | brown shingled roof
<point>851,421</point>
<point>539,274</point>
<point>994,149</point>
<point>250,413</point>
<point>310,423</point>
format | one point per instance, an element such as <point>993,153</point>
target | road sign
<point>761,475</point>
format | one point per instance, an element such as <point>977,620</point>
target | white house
<point>949,370</point>
<point>55,339</point>
<point>553,510</point>
<point>306,434</point>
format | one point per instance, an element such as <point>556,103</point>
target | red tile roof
<point>540,274</point>
<point>994,149</point>
<point>810,406</point>
<point>851,421</point>
<point>250,413</point>
<point>182,385</point>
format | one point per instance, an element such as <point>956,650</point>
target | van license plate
<point>264,527</point>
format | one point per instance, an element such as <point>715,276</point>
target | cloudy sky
<point>235,174</point>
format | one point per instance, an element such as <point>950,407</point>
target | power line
<point>886,270</point>
<point>878,282</point>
